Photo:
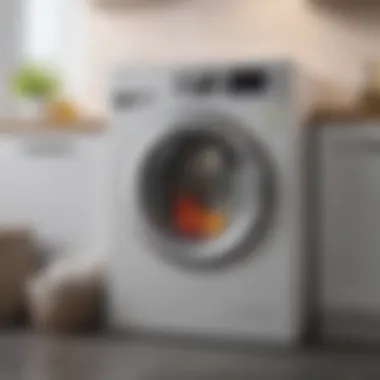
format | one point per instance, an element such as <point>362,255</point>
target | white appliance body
<point>258,297</point>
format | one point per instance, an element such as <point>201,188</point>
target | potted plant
<point>36,85</point>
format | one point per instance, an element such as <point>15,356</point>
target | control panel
<point>242,81</point>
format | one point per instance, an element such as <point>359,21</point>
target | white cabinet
<point>350,231</point>
<point>57,184</point>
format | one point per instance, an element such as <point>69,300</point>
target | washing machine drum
<point>207,194</point>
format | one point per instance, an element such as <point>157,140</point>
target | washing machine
<point>206,202</point>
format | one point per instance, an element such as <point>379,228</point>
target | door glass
<point>207,196</point>
<point>195,186</point>
<point>199,197</point>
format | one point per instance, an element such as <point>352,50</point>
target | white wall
<point>48,31</point>
<point>331,45</point>
<point>10,48</point>
<point>42,30</point>
<point>56,33</point>
<point>86,42</point>
<point>74,37</point>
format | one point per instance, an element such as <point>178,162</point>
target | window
<point>55,32</point>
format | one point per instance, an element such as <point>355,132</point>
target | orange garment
<point>192,219</point>
<point>188,215</point>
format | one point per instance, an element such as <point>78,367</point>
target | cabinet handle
<point>48,146</point>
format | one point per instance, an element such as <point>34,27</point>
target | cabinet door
<point>350,230</point>
<point>56,184</point>
<point>16,182</point>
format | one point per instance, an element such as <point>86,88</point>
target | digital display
<point>247,81</point>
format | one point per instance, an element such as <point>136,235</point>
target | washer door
<point>206,193</point>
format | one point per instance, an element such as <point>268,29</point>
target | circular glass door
<point>207,194</point>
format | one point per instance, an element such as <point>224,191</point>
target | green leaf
<point>36,81</point>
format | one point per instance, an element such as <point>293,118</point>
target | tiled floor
<point>24,356</point>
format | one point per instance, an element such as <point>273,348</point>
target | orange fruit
<point>63,111</point>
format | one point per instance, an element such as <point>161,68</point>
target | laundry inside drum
<point>192,187</point>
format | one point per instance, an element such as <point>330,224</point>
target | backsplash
<point>331,45</point>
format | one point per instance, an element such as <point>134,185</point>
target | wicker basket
<point>18,260</point>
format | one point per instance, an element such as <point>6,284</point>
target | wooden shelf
<point>345,115</point>
<point>16,126</point>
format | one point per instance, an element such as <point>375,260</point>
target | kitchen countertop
<point>344,115</point>
<point>28,356</point>
<point>19,126</point>
<point>340,114</point>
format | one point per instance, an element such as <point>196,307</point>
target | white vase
<point>32,109</point>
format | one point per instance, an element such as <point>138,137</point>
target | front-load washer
<point>206,202</point>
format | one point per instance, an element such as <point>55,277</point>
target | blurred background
<point>332,40</point>
<point>57,58</point>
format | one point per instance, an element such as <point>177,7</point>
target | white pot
<point>34,109</point>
